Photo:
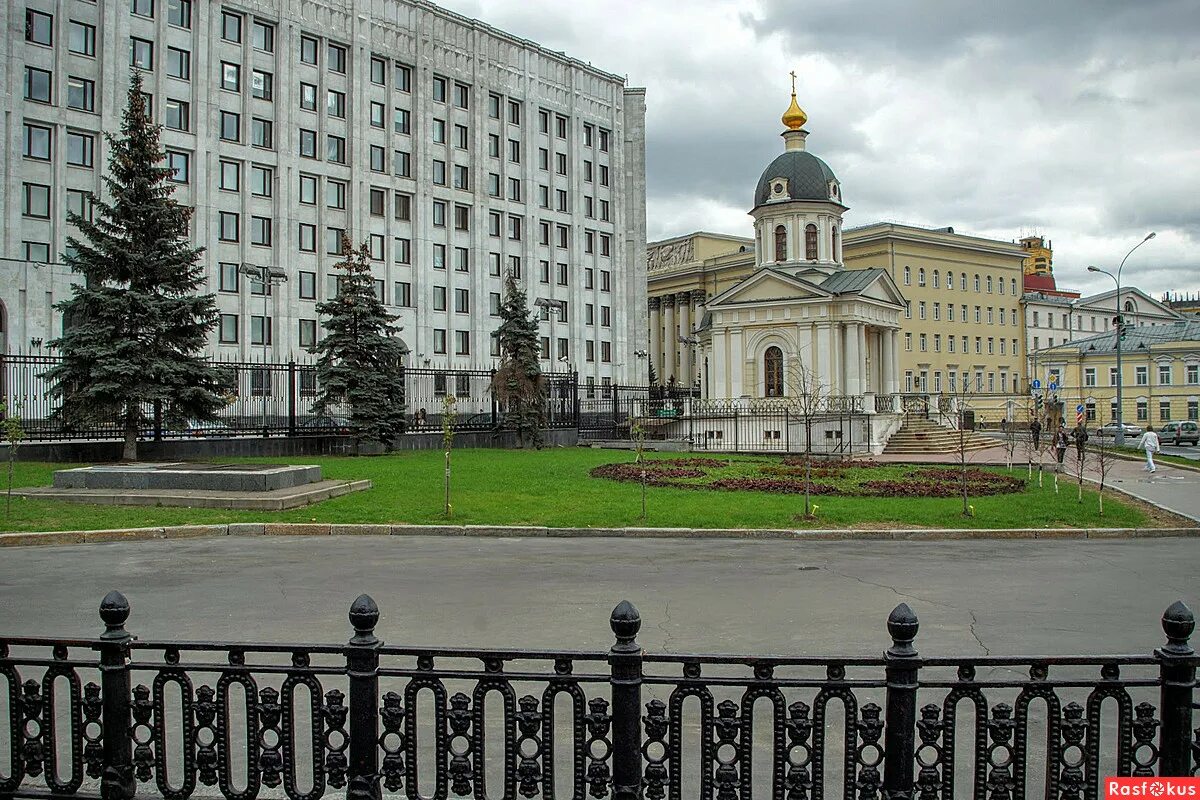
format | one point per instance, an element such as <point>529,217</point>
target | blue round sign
<point>1079,408</point>
<point>1036,384</point>
<point>1053,386</point>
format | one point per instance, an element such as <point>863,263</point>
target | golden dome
<point>794,118</point>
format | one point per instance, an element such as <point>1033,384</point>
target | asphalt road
<point>1184,451</point>
<point>827,598</point>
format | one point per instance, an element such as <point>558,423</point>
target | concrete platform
<point>184,475</point>
<point>269,500</point>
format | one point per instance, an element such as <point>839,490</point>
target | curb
<point>494,531</point>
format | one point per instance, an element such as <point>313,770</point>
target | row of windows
<point>1007,316</point>
<point>1141,375</point>
<point>998,283</point>
<point>951,346</point>
<point>920,381</point>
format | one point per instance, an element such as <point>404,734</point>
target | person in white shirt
<point>1151,445</point>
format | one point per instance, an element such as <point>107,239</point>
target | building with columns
<point>788,311</point>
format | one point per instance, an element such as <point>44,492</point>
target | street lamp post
<point>268,277</point>
<point>1119,436</point>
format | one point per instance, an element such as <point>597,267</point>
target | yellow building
<point>964,318</point>
<point>1160,375</point>
<point>1039,256</point>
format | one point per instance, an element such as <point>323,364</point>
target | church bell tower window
<point>780,243</point>
<point>810,242</point>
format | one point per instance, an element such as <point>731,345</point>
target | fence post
<point>291,407</point>
<point>362,669</point>
<point>575,396</point>
<point>1177,671</point>
<point>900,722</point>
<point>158,420</point>
<point>117,781</point>
<point>625,660</point>
<point>736,449</point>
<point>492,391</point>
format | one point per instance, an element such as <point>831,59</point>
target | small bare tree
<point>809,397</point>
<point>1010,439</point>
<point>638,430</point>
<point>13,434</point>
<point>1104,460</point>
<point>960,394</point>
<point>449,415</point>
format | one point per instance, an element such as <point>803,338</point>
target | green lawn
<point>552,487</point>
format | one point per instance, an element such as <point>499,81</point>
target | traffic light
<point>1121,327</point>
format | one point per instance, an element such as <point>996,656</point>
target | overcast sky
<point>1075,119</point>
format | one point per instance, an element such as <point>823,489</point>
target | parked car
<point>1110,430</point>
<point>1179,433</point>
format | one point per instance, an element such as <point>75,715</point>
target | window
<point>378,114</point>
<point>260,231</point>
<point>514,150</point>
<point>37,85</point>
<point>403,77</point>
<point>37,201</point>
<point>79,203</point>
<point>260,330</point>
<point>231,76</point>
<point>230,126</point>
<point>1141,376</point>
<point>80,149</point>
<point>921,310</point>
<point>261,84</point>
<point>439,256</point>
<point>336,104</point>
<point>921,276</point>
<point>179,63</point>
<point>603,175</point>
<point>810,243</point>
<point>229,176</point>
<point>308,189</point>
<point>227,226</point>
<point>439,213</point>
<point>462,177</point>
<point>937,311</point>
<point>462,259</point>
<point>308,50</point>
<point>462,95</point>
<point>307,237</point>
<point>39,27</point>
<point>560,163</point>
<point>375,248</point>
<point>1089,376</point>
<point>262,133</point>
<point>335,194</point>
<point>963,282</point>
<point>908,342</point>
<point>1164,374</point>
<point>261,181</point>
<point>606,352</point>
<point>1143,411</point>
<point>378,70</point>
<point>924,344</point>
<point>1164,410</point>
<point>1193,410</point>
<point>400,120</point>
<point>336,56</point>
<point>439,341</point>
<point>37,142</point>
<point>308,333</point>
<point>402,293</point>
<point>439,173</point>
<point>81,95</point>
<point>378,159</point>
<point>514,227</point>
<point>176,114</point>
<point>141,53</point>
<point>937,343</point>
<point>543,158</point>
<point>81,38</point>
<point>1192,373</point>
<point>333,241</point>
<point>262,36</point>
<point>178,164</point>
<point>514,112</point>
<point>335,149</point>
<point>231,27</point>
<point>229,329</point>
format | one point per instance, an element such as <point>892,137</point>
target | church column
<point>893,376</point>
<point>864,360</point>
<point>697,301</point>
<point>655,336</point>
<point>737,364</point>
<point>686,374</point>
<point>822,357</point>
<point>852,364</point>
<point>670,334</point>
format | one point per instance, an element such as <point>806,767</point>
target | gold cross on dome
<point>793,74</point>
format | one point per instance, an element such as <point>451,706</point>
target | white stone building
<point>457,151</point>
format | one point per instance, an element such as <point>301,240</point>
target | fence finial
<point>625,621</point>
<point>114,610</point>
<point>902,626</point>
<point>1178,622</point>
<point>364,613</point>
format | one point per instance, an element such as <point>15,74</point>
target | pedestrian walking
<point>1151,445</point>
<point>1061,442</point>
<point>1080,435</point>
<point>1035,430</point>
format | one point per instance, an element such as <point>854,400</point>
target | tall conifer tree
<point>137,323</point>
<point>361,360</point>
<point>518,384</point>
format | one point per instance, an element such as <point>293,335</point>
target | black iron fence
<point>277,399</point>
<point>117,716</point>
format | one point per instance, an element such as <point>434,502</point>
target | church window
<point>936,274</point>
<point>810,242</point>
<point>907,276</point>
<point>834,251</point>
<point>921,276</point>
<point>780,243</point>
<point>1129,305</point>
<point>773,372</point>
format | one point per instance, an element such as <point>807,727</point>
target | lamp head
<point>1149,236</point>
<point>1093,269</point>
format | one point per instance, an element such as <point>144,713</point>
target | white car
<point>1110,430</point>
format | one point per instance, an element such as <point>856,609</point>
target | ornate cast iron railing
<point>181,719</point>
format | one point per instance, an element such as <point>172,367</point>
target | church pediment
<point>768,286</point>
<point>884,289</point>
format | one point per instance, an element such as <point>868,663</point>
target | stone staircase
<point>919,436</point>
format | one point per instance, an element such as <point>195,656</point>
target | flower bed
<point>787,476</point>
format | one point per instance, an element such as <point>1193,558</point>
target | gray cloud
<point>1073,118</point>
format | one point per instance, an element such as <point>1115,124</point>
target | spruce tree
<point>518,384</point>
<point>361,360</point>
<point>137,320</point>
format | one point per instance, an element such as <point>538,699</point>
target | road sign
<point>1054,386</point>
<point>1036,384</point>
<point>1079,408</point>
